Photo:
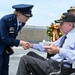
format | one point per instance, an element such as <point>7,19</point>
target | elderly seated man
<point>64,47</point>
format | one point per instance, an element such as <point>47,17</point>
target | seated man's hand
<point>31,45</point>
<point>25,44</point>
<point>52,49</point>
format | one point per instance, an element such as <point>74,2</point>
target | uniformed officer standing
<point>10,25</point>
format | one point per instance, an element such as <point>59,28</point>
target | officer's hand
<point>25,45</point>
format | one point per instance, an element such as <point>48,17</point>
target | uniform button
<point>9,19</point>
<point>15,24</point>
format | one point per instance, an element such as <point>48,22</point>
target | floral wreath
<point>54,32</point>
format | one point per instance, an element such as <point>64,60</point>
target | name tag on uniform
<point>73,64</point>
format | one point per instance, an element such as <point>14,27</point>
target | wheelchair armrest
<point>55,73</point>
<point>59,71</point>
<point>73,65</point>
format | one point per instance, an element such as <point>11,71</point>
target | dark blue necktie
<point>63,41</point>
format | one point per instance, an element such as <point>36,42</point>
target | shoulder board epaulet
<point>11,17</point>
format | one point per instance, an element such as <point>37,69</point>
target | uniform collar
<point>19,23</point>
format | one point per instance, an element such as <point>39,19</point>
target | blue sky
<point>44,11</point>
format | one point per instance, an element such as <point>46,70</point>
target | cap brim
<point>59,21</point>
<point>28,15</point>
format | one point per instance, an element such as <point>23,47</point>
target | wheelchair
<point>63,71</point>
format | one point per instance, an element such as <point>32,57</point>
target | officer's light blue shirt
<point>67,51</point>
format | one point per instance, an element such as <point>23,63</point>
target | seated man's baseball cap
<point>66,17</point>
<point>71,8</point>
<point>25,9</point>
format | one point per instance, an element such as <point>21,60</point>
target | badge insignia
<point>63,16</point>
<point>11,30</point>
